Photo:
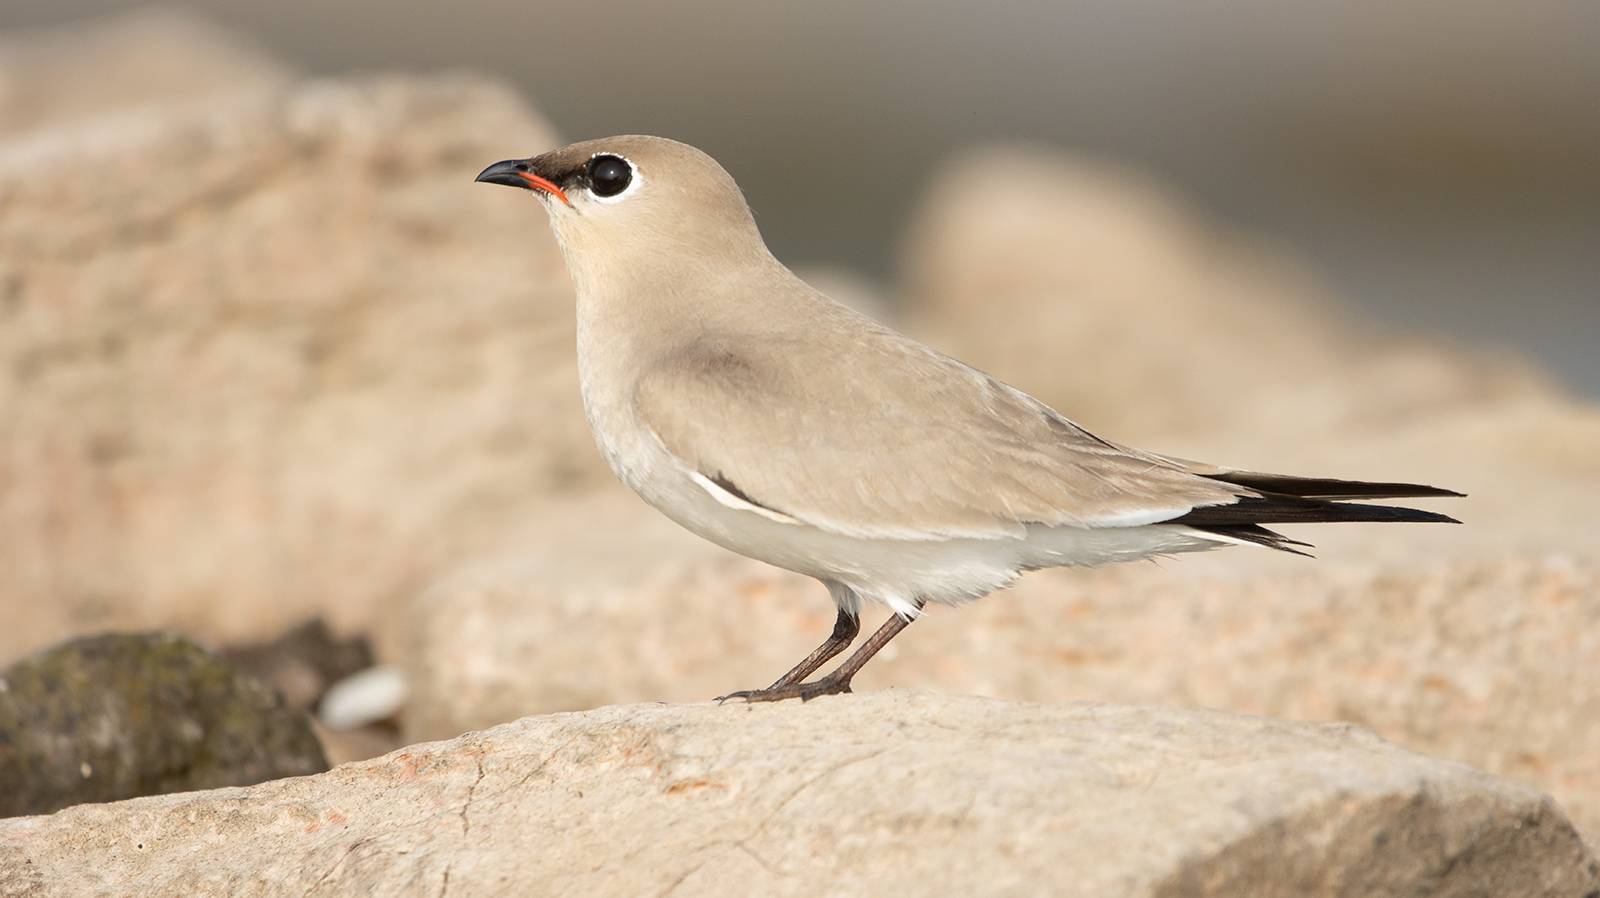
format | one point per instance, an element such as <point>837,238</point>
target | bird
<point>775,422</point>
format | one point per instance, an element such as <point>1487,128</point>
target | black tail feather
<point>1271,508</point>
<point>1321,488</point>
<point>1310,502</point>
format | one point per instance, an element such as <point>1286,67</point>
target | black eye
<point>609,175</point>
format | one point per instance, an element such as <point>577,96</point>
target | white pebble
<point>366,697</point>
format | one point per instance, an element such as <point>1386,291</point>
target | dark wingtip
<point>1324,488</point>
<point>1409,516</point>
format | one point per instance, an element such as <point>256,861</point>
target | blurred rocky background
<point>1437,160</point>
<point>270,358</point>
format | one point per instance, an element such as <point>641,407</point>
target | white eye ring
<point>633,182</point>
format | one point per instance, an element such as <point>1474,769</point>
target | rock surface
<point>119,716</point>
<point>881,793</point>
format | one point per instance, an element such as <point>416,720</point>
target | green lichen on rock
<point>122,715</point>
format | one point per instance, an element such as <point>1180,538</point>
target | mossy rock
<point>122,715</point>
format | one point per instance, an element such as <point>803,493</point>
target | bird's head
<point>634,202</point>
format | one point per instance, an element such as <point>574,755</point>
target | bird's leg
<point>839,680</point>
<point>836,682</point>
<point>845,628</point>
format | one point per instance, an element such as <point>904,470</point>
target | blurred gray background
<point>1438,161</point>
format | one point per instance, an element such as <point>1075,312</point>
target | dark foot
<point>805,692</point>
<point>837,682</point>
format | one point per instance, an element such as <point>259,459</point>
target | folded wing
<point>885,438</point>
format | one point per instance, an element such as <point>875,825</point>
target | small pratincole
<point>775,422</point>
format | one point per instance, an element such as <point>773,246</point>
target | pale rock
<point>1095,289</point>
<point>150,56</point>
<point>273,356</point>
<point>1495,664</point>
<point>888,793</point>
<point>609,603</point>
